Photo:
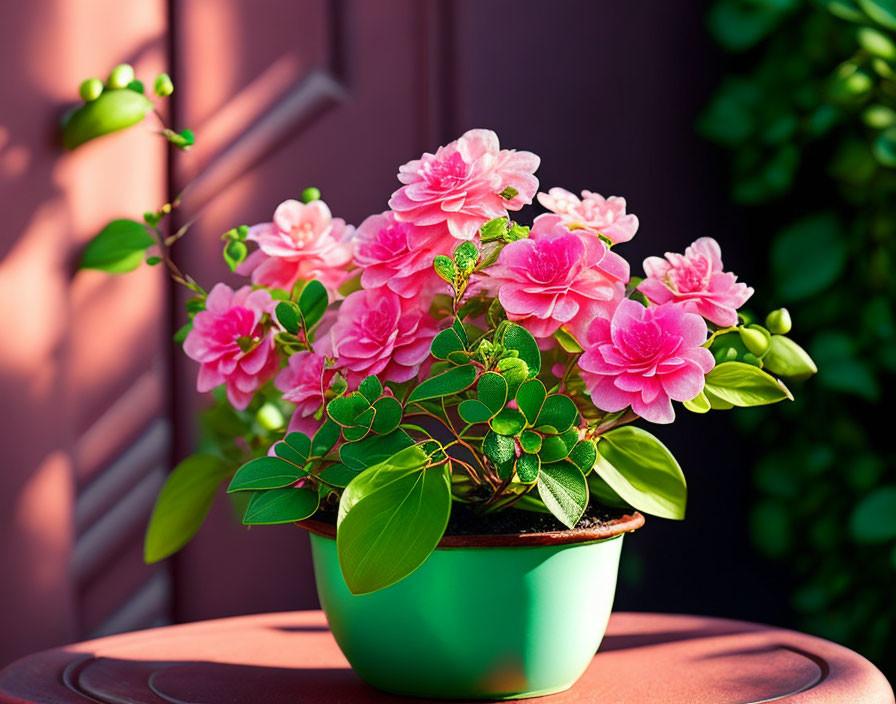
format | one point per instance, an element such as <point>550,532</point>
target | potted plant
<point>444,398</point>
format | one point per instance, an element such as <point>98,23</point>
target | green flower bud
<point>750,358</point>
<point>786,358</point>
<point>91,89</point>
<point>310,194</point>
<point>114,110</point>
<point>163,87</point>
<point>778,321</point>
<point>270,417</point>
<point>755,339</point>
<point>514,370</point>
<point>120,76</point>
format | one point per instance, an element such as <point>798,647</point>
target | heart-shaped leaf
<point>388,415</point>
<point>281,506</point>
<point>557,414</point>
<point>449,382</point>
<point>265,473</point>
<point>563,489</point>
<point>527,467</point>
<point>530,398</point>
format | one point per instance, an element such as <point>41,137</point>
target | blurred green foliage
<point>808,115</point>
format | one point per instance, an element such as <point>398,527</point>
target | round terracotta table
<point>291,657</point>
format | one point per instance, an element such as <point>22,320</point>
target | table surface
<point>291,657</point>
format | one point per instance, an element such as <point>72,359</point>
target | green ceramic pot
<point>485,617</point>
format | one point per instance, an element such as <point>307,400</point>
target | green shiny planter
<point>497,622</point>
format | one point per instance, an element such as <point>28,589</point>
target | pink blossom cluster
<point>564,276</point>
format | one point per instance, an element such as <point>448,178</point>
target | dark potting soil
<point>465,521</point>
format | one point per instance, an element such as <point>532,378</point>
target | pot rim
<point>624,524</point>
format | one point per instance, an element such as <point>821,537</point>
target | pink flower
<point>645,358</point>
<point>230,343</point>
<point>304,241</point>
<point>697,280</point>
<point>459,186</point>
<point>556,277</point>
<point>378,332</point>
<point>304,381</point>
<point>383,249</point>
<point>594,213</point>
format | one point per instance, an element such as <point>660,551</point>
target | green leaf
<point>235,253</point>
<point>388,415</point>
<point>346,410</point>
<point>445,268</point>
<point>325,438</point>
<point>530,398</point>
<point>299,442</point>
<point>508,422</point>
<point>557,414</point>
<point>277,506</point>
<point>527,467</point>
<point>744,385</point>
<point>873,520</point>
<point>558,447</point>
<point>449,382</point>
<point>371,388</point>
<point>313,303</point>
<point>183,504</point>
<point>501,450</point>
<point>530,441</point>
<point>289,316</point>
<point>698,404</point>
<point>374,449</point>
<point>337,475</point>
<point>265,473</point>
<point>445,343</point>
<point>518,338</point>
<point>465,257</point>
<point>809,256</point>
<point>603,493</point>
<point>568,342</point>
<point>118,248</point>
<point>492,391</point>
<point>472,411</point>
<point>563,489</point>
<point>642,471</point>
<point>881,11</point>
<point>493,229</point>
<point>391,517</point>
<point>584,455</point>
<point>786,358</point>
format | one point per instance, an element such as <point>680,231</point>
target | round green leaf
<point>299,442</point>
<point>530,398</point>
<point>508,422</point>
<point>563,489</point>
<point>288,316</point>
<point>527,467</point>
<point>370,388</point>
<point>530,441</point>
<point>584,455</point>
<point>313,303</point>
<point>500,449</point>
<point>265,473</point>
<point>492,391</point>
<point>557,414</point>
<point>445,343</point>
<point>346,410</point>
<point>640,469</point>
<point>277,506</point>
<point>558,447</point>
